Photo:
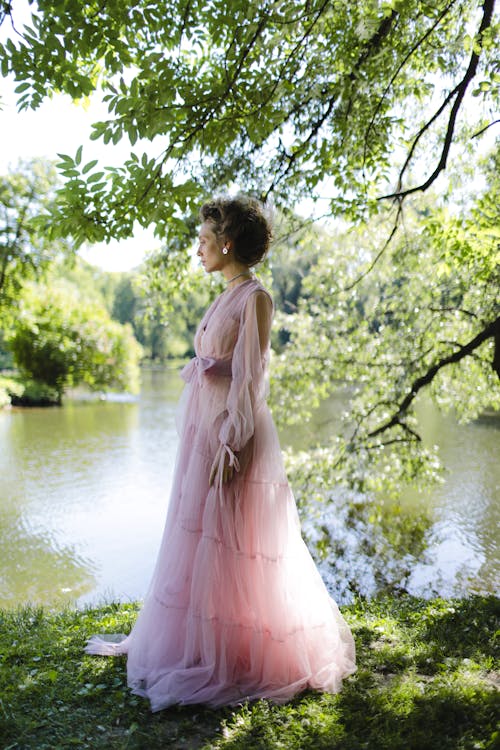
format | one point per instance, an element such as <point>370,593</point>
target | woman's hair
<point>241,220</point>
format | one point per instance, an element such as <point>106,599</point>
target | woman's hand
<point>230,465</point>
<point>227,472</point>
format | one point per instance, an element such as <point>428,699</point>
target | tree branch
<point>399,440</point>
<point>230,83</point>
<point>184,21</point>
<point>486,127</point>
<point>5,10</point>
<point>496,354</point>
<point>232,80</point>
<point>371,46</point>
<point>380,252</point>
<point>490,331</point>
<point>293,157</point>
<point>458,94</point>
<point>398,70</point>
<point>453,310</point>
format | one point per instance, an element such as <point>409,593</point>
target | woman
<point>236,609</point>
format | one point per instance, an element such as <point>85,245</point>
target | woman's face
<point>210,249</point>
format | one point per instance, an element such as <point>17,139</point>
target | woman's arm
<point>264,317</point>
<point>248,384</point>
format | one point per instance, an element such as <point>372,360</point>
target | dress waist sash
<point>199,366</point>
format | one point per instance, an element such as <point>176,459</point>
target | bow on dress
<point>206,366</point>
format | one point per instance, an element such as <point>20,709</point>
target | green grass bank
<point>428,677</point>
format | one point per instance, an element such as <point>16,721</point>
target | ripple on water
<point>84,490</point>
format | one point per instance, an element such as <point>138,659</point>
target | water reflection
<point>87,483</point>
<point>84,488</point>
<point>443,541</point>
<point>463,541</point>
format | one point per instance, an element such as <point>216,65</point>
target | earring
<point>225,250</point>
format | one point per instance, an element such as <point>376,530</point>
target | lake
<point>84,490</point>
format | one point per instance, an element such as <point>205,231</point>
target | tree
<point>61,340</point>
<point>356,107</point>
<point>125,301</point>
<point>171,300</point>
<point>25,250</point>
<point>93,282</point>
<point>426,319</point>
<point>292,99</point>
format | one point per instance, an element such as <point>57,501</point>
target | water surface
<point>84,490</point>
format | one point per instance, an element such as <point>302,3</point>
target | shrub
<point>60,340</point>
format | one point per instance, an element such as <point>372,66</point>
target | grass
<point>427,678</point>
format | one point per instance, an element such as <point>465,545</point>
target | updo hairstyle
<point>241,220</point>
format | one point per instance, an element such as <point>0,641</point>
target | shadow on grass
<point>444,721</point>
<point>425,680</point>
<point>466,627</point>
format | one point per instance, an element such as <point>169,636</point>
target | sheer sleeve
<point>249,380</point>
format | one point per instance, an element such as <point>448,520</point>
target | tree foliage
<point>426,319</point>
<point>356,108</point>
<point>61,340</point>
<point>92,282</point>
<point>26,252</point>
<point>343,101</point>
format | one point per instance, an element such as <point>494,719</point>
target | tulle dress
<point>236,609</point>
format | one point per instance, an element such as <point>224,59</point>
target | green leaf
<point>95,177</point>
<point>90,165</point>
<point>65,159</point>
<point>4,65</point>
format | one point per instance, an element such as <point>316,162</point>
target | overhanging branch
<point>457,94</point>
<point>380,252</point>
<point>415,47</point>
<point>371,47</point>
<point>492,330</point>
<point>486,127</point>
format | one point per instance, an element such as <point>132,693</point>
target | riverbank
<point>16,390</point>
<point>428,677</point>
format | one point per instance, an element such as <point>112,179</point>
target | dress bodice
<point>218,331</point>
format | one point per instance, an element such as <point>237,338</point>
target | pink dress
<point>236,609</point>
